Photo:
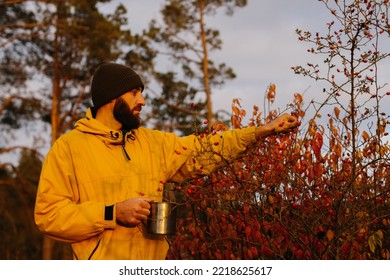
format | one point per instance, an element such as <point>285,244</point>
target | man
<point>98,180</point>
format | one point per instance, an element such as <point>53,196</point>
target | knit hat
<point>111,80</point>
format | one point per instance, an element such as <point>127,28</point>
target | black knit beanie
<point>111,80</point>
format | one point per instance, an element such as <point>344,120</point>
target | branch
<point>12,2</point>
<point>179,108</point>
<point>71,113</point>
<point>21,37</point>
<point>9,149</point>
<point>9,99</point>
<point>24,26</point>
<point>7,102</point>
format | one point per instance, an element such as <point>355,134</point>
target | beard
<point>124,115</point>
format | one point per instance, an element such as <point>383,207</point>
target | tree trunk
<point>205,70</point>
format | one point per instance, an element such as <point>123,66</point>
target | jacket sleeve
<point>57,211</point>
<point>202,154</point>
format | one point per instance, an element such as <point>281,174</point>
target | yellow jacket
<point>92,167</point>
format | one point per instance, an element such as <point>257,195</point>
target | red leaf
<point>248,231</point>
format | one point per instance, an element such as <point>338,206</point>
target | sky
<point>261,46</point>
<point>259,43</point>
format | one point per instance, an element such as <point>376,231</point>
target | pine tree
<point>186,88</point>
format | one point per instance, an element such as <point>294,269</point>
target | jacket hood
<point>91,126</point>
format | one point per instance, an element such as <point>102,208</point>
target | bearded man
<point>98,180</point>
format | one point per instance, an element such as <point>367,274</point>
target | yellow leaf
<point>271,199</point>
<point>237,101</point>
<point>236,111</point>
<point>365,136</point>
<point>214,124</point>
<point>219,127</point>
<point>375,240</point>
<point>298,98</point>
<point>372,243</point>
<point>271,93</point>
<point>379,233</point>
<point>337,112</point>
<point>386,254</point>
<point>330,234</point>
<point>361,214</point>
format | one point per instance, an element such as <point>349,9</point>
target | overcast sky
<point>259,43</point>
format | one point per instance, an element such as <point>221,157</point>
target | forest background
<point>321,193</point>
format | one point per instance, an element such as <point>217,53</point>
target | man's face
<point>127,109</point>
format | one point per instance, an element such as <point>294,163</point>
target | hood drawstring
<point>114,135</point>
<point>123,143</point>
<point>131,135</point>
<point>124,132</point>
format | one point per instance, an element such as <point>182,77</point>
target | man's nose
<point>141,100</point>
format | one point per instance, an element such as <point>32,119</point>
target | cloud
<point>260,44</point>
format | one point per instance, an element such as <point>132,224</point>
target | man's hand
<point>133,211</point>
<point>282,124</point>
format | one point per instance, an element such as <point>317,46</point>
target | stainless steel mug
<point>162,218</point>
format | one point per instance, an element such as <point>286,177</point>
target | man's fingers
<point>145,204</point>
<point>291,119</point>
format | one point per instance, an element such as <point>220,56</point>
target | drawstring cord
<point>131,136</point>
<point>124,132</point>
<point>116,136</point>
<point>124,150</point>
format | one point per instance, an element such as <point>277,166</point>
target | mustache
<point>137,108</point>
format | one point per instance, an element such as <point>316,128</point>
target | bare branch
<point>13,2</point>
<point>6,103</point>
<point>12,148</point>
